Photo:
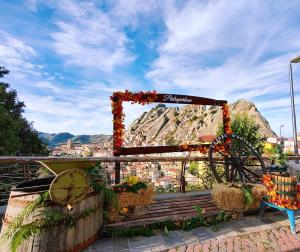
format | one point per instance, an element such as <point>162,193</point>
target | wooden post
<point>117,172</point>
<point>182,177</point>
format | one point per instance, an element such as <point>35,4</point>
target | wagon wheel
<point>233,159</point>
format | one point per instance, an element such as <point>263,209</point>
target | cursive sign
<point>176,99</point>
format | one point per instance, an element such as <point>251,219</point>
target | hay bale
<point>141,198</point>
<point>258,191</point>
<point>229,197</point>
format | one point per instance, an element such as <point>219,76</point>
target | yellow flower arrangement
<point>132,179</point>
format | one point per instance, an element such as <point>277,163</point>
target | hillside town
<point>164,175</point>
<point>75,149</point>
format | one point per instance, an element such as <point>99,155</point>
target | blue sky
<point>67,57</point>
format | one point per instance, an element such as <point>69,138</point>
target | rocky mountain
<point>173,125</point>
<point>54,139</point>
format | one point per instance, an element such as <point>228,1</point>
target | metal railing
<point>15,170</point>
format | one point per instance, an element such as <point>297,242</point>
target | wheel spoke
<point>245,158</point>
<point>236,163</point>
<point>244,173</point>
<point>240,175</point>
<point>222,153</point>
<point>252,172</point>
<point>231,153</point>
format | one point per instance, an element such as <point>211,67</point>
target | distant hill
<point>55,139</point>
<point>170,125</point>
<point>174,125</point>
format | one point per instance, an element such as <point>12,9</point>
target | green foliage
<point>194,168</point>
<point>248,195</point>
<point>129,187</point>
<point>22,234</point>
<point>49,218</point>
<point>24,214</point>
<point>129,232</point>
<point>54,217</point>
<point>202,171</point>
<point>162,189</point>
<point>247,128</point>
<point>277,156</point>
<point>18,232</point>
<point>166,231</point>
<point>222,216</point>
<point>109,195</point>
<point>17,135</point>
<point>13,232</point>
<point>246,189</point>
<point>97,173</point>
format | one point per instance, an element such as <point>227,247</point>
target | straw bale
<point>141,198</point>
<point>228,197</point>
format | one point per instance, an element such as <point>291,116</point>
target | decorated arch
<point>152,97</point>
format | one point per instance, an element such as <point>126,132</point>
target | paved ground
<point>269,233</point>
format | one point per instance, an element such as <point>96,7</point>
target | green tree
<point>194,168</point>
<point>17,135</point>
<point>246,127</point>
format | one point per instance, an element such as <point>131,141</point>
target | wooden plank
<point>158,219</point>
<point>206,194</point>
<point>201,203</point>
<point>167,209</point>
<point>187,99</point>
<point>167,213</point>
<point>110,159</point>
<point>178,204</point>
<point>161,202</point>
<point>177,208</point>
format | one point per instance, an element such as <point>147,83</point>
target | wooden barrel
<point>59,238</point>
<point>285,186</point>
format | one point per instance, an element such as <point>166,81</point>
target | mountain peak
<point>169,125</point>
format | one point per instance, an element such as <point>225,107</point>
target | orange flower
<point>117,109</point>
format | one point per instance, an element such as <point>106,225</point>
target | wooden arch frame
<point>152,97</point>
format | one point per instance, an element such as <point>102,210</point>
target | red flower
<point>117,109</point>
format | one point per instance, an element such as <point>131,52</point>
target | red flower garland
<point>145,98</point>
<point>117,109</point>
<point>226,119</point>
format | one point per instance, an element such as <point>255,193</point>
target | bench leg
<point>291,216</point>
<point>262,209</point>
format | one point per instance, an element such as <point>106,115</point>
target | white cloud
<point>15,55</point>
<point>228,50</point>
<point>87,37</point>
<point>218,49</point>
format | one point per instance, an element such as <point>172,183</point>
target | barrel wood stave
<point>60,238</point>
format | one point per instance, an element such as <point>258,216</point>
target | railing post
<point>117,172</point>
<point>182,177</point>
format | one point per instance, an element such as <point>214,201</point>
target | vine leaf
<point>248,196</point>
